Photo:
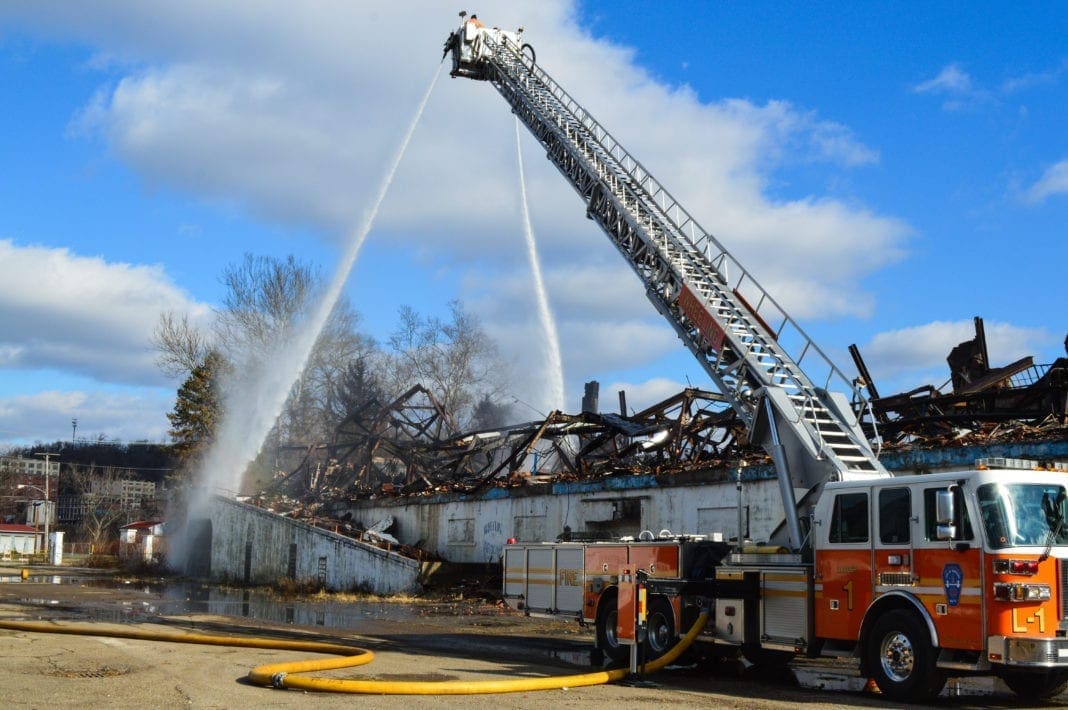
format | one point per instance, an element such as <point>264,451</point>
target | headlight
<point>1035,592</point>
<point>1022,592</point>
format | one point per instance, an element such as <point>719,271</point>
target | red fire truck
<point>918,577</point>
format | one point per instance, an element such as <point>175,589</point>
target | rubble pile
<point>410,447</point>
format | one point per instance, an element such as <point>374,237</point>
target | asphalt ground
<point>445,640</point>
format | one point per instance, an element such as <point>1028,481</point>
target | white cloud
<point>303,140</point>
<point>82,315</point>
<point>951,80</point>
<point>292,111</point>
<point>640,395</point>
<point>1053,182</point>
<point>909,357</point>
<point>1030,80</point>
<point>962,91</point>
<point>125,416</point>
<point>957,86</point>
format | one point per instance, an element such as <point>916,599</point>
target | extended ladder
<point>750,347</point>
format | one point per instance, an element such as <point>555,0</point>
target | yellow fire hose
<point>281,675</point>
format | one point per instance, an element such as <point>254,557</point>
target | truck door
<point>894,556</point>
<point>949,576</point>
<point>844,566</point>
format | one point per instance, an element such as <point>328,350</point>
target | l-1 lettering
<point>1019,626</point>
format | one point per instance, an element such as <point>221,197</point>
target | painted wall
<point>254,546</point>
<point>16,543</point>
<point>474,528</point>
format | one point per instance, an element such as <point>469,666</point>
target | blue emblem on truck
<point>952,580</point>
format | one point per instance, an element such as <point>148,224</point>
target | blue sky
<point>888,170</point>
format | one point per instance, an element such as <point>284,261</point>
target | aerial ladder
<point>746,342</point>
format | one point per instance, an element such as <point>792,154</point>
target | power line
<point>120,468</point>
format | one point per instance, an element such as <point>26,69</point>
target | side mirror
<point>945,508</point>
<point>946,521</point>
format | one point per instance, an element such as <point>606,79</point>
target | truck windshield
<point>1023,514</point>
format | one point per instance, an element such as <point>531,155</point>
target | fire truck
<point>919,577</point>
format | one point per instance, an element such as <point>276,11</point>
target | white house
<point>141,539</point>
<point>17,539</point>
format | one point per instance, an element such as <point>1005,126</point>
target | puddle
<point>143,600</point>
<point>36,579</point>
<point>251,604</point>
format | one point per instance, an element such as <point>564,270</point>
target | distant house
<point>17,539</point>
<point>132,532</point>
<point>142,539</point>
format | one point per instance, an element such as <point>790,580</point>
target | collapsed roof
<point>409,447</point>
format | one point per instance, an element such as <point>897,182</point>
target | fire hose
<point>286,675</point>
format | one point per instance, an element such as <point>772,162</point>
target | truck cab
<point>954,572</point>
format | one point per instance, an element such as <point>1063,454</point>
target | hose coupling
<point>278,680</point>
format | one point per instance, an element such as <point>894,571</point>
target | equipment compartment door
<point>570,580</point>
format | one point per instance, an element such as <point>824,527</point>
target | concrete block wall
<point>254,546</point>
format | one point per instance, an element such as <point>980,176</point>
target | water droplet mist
<point>255,401</point>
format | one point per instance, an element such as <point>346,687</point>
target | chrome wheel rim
<point>897,657</point>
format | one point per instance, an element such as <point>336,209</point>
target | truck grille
<point>896,578</point>
<point>1062,586</point>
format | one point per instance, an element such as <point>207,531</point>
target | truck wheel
<point>901,658</point>
<point>661,627</point>
<point>1036,685</point>
<point>606,631</point>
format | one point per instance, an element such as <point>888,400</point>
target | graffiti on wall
<point>492,540</point>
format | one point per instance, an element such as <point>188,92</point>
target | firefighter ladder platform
<point>750,347</point>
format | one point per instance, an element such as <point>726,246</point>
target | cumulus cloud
<point>640,395</point>
<point>303,140</point>
<point>83,315</point>
<point>909,357</point>
<point>291,112</point>
<point>1053,182</point>
<point>133,415</point>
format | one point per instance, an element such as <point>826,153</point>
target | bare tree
<point>453,358</point>
<point>265,300</point>
<point>340,344</point>
<point>102,511</point>
<point>180,345</point>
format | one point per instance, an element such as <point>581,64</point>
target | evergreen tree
<point>198,408</point>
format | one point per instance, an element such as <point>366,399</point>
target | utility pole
<point>48,500</point>
<point>73,429</point>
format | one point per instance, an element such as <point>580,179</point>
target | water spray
<point>260,396</point>
<point>555,374</point>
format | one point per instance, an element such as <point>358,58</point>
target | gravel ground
<point>441,640</point>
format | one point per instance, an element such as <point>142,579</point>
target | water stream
<point>260,395</point>
<point>554,397</point>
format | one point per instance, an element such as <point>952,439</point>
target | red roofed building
<point>141,539</point>
<point>17,539</point>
